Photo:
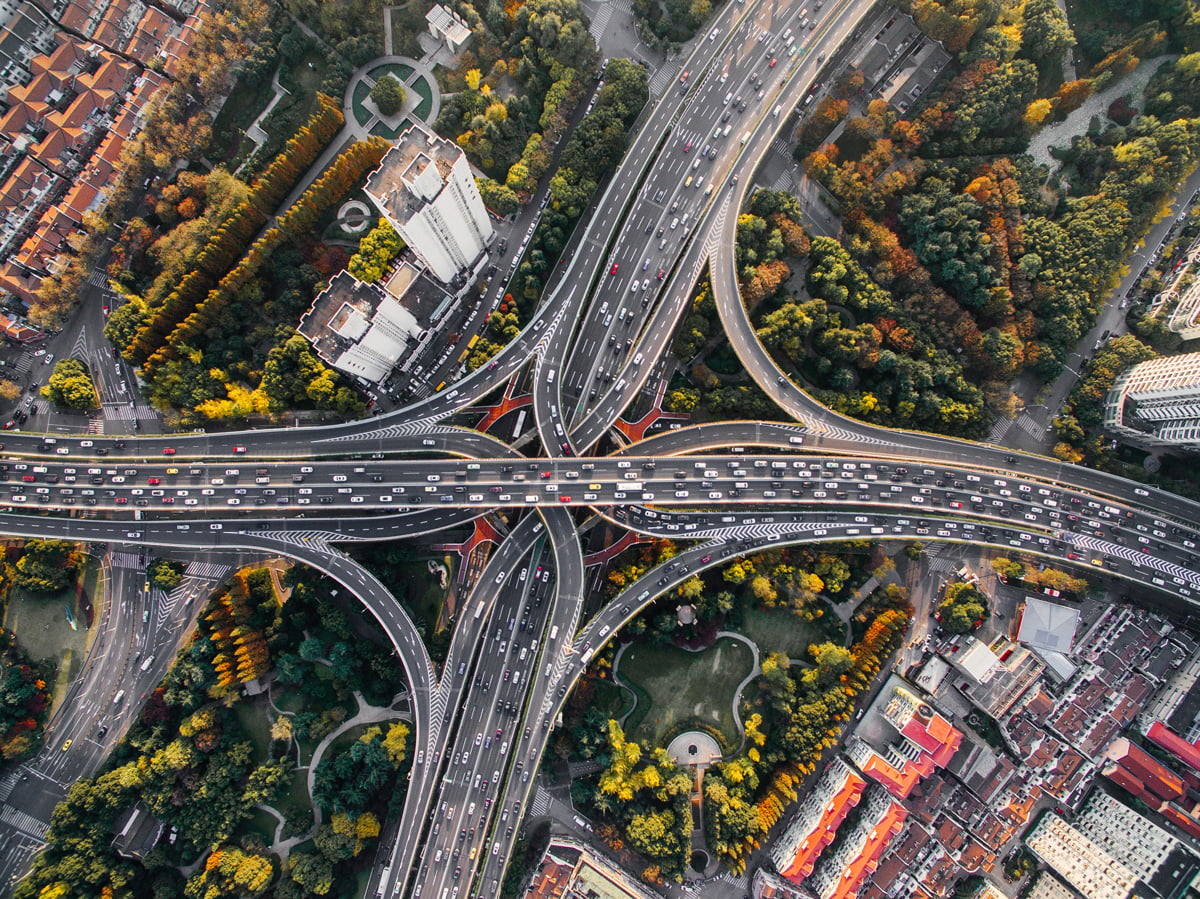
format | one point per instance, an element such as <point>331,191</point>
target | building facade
<point>1157,402</point>
<point>425,188</point>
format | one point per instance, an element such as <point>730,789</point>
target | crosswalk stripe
<point>125,560</point>
<point>23,822</point>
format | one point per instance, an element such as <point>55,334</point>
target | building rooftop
<point>1048,625</point>
<point>412,173</point>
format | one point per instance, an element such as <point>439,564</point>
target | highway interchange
<point>482,722</point>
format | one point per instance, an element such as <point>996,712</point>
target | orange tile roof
<point>825,829</point>
<point>19,282</point>
<point>860,868</point>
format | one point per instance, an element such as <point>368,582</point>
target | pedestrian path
<point>600,21</point>
<point>8,782</point>
<point>661,80</point>
<point>98,278</point>
<point>540,803</point>
<point>125,412</point>
<point>207,571</point>
<point>23,822</point>
<point>126,560</point>
<point>999,428</point>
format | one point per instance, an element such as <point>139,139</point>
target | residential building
<point>424,186</point>
<point>25,32</point>
<point>358,328</point>
<point>995,676</point>
<point>843,872</point>
<point>1166,865</point>
<point>926,741</point>
<point>1157,402</point>
<point>571,870</point>
<point>1079,861</point>
<point>816,821</point>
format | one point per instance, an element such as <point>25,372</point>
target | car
<point>613,270</point>
<point>774,60</point>
<point>168,451</point>
<point>687,148</point>
<point>49,358</point>
<point>62,451</point>
<point>153,481</point>
<point>239,449</point>
<point>67,745</point>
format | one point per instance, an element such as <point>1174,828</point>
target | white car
<point>62,451</point>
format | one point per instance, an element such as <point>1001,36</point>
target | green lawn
<point>361,92</point>
<point>245,104</point>
<point>779,630</point>
<point>425,92</point>
<point>383,130</point>
<point>400,70</point>
<point>43,624</point>
<point>263,824</point>
<point>684,685</point>
<point>252,717</point>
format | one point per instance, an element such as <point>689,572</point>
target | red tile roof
<point>860,868</point>
<point>1167,739</point>
<point>1159,779</point>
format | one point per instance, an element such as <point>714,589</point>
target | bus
<point>479,609</point>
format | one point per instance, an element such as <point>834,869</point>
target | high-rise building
<point>1112,851</point>
<point>425,188</point>
<point>1157,403</point>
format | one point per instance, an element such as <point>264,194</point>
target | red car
<point>169,451</point>
<point>661,272</point>
<point>771,64</point>
<point>153,481</point>
<point>239,449</point>
<point>613,270</point>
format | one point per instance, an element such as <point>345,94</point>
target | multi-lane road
<point>599,337</point>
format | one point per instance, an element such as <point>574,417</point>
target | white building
<point>448,26</point>
<point>1157,403</point>
<point>425,188</point>
<point>1080,862</point>
<point>1112,851</point>
<point>359,329</point>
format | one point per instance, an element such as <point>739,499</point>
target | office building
<point>425,188</point>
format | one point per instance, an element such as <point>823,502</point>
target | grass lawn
<point>779,630</point>
<point>685,684</point>
<point>425,92</point>
<point>398,69</point>
<point>251,715</point>
<point>263,824</point>
<point>43,624</point>
<point>245,104</point>
<point>296,802</point>
<point>383,130</point>
<point>310,70</point>
<point>361,92</point>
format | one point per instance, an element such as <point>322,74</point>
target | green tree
<point>165,574</point>
<point>962,609</point>
<point>47,566</point>
<point>388,95</point>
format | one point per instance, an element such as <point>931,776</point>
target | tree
<point>1045,35</point>
<point>47,566</point>
<point>962,609</point>
<point>165,574</point>
<point>9,391</point>
<point>388,95</point>
<point>70,385</point>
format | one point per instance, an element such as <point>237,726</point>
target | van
<point>745,137</point>
<point>778,109</point>
<point>146,664</point>
<point>554,632</point>
<point>120,696</point>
